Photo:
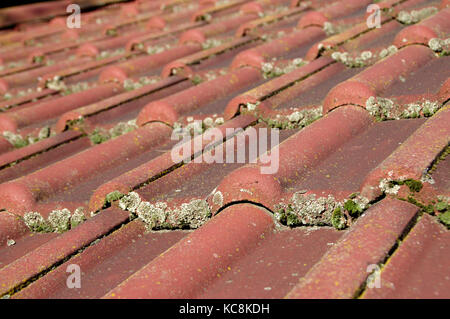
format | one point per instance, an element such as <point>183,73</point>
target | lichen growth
<point>130,84</point>
<point>36,223</point>
<point>295,120</point>
<point>159,216</point>
<point>59,220</point>
<point>77,218</point>
<point>18,141</point>
<point>270,70</point>
<point>359,61</point>
<point>10,242</point>
<point>310,210</point>
<point>101,135</point>
<point>385,109</point>
<point>441,46</point>
<point>217,198</point>
<point>211,43</point>
<point>415,16</point>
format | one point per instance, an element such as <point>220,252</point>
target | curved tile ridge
<point>436,26</point>
<point>197,96</point>
<point>412,159</point>
<point>312,144</point>
<point>344,269</point>
<point>206,253</point>
<point>22,271</point>
<point>377,78</point>
<point>21,154</point>
<point>22,194</point>
<point>12,121</point>
<point>140,175</point>
<point>270,88</point>
<point>114,101</point>
<point>265,52</point>
<point>182,66</point>
<point>332,11</point>
<point>251,27</point>
<point>133,67</point>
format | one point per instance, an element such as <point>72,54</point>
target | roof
<point>354,111</point>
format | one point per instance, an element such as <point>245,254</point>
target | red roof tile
<point>89,119</point>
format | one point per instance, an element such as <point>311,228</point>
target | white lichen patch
<point>310,210</point>
<point>155,49</point>
<point>18,141</point>
<point>10,242</point>
<point>217,198</point>
<point>159,216</point>
<point>77,217</point>
<point>354,61</point>
<point>329,28</point>
<point>211,43</point>
<point>76,88</point>
<point>270,70</point>
<point>35,222</point>
<point>130,84</point>
<point>59,220</point>
<point>109,54</point>
<point>56,84</point>
<point>130,202</point>
<point>415,16</point>
<point>297,119</point>
<point>251,106</point>
<point>100,135</point>
<point>388,51</point>
<point>440,46</point>
<point>385,109</point>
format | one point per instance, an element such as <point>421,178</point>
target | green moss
<point>99,136</point>
<point>352,208</point>
<point>292,220</point>
<point>413,185</point>
<point>113,196</point>
<point>197,79</point>
<point>425,208</point>
<point>338,219</point>
<point>441,206</point>
<point>445,218</point>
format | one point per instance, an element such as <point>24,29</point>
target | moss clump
<point>413,185</point>
<point>287,216</point>
<point>197,79</point>
<point>441,206</point>
<point>352,208</point>
<point>445,218</point>
<point>99,136</point>
<point>338,219</point>
<point>113,196</point>
<point>425,208</point>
